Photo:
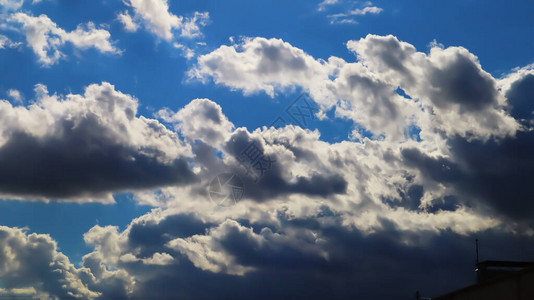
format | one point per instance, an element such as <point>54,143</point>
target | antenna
<point>476,244</point>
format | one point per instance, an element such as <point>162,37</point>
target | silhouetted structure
<point>498,280</point>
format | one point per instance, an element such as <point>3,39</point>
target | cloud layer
<point>439,154</point>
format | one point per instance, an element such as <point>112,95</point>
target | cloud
<point>470,125</point>
<point>366,10</point>
<point>447,90</point>
<point>127,22</point>
<point>450,83</point>
<point>347,18</point>
<point>495,173</point>
<point>322,6</point>
<point>15,95</point>
<point>191,27</point>
<point>11,5</point>
<point>5,42</point>
<point>246,257</point>
<point>157,18</point>
<point>32,261</point>
<point>347,10</point>
<point>86,147</point>
<point>32,266</point>
<point>237,257</point>
<point>259,64</point>
<point>201,119</point>
<point>322,215</point>
<point>45,37</point>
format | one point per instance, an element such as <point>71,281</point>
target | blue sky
<point>489,42</point>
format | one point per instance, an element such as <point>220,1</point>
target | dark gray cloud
<point>272,183</point>
<point>81,163</point>
<point>498,172</point>
<point>357,265</point>
<point>462,81</point>
<point>520,97</point>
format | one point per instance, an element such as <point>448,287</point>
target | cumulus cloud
<point>460,111</point>
<point>450,83</point>
<point>45,37</point>
<point>259,65</point>
<point>32,266</point>
<point>231,255</point>
<point>447,90</point>
<point>495,172</point>
<point>322,214</point>
<point>201,119</point>
<point>32,261</point>
<point>157,18</point>
<point>86,147</point>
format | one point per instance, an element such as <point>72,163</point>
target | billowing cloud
<point>450,83</point>
<point>447,90</point>
<point>238,257</point>
<point>86,147</point>
<point>201,119</point>
<point>470,124</point>
<point>32,261</point>
<point>157,18</point>
<point>314,215</point>
<point>31,266</point>
<point>496,173</point>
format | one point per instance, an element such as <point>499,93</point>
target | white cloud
<point>127,21</point>
<point>8,5</point>
<point>191,26</point>
<point>348,12</point>
<point>201,119</point>
<point>322,6</point>
<point>15,95</point>
<point>45,37</point>
<point>365,10</point>
<point>158,19</point>
<point>32,260</point>
<point>260,64</point>
<point>187,52</point>
<point>366,91</point>
<point>5,42</point>
<point>450,83</point>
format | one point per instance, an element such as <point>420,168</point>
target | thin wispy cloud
<point>347,12</point>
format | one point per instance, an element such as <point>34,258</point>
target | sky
<point>262,149</point>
